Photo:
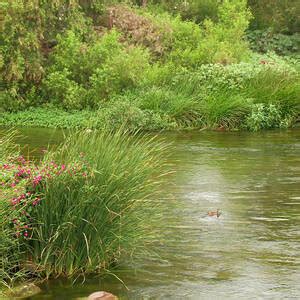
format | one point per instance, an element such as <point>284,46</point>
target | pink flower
<point>36,201</point>
<point>37,180</point>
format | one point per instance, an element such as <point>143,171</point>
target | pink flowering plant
<point>81,208</point>
<point>23,184</point>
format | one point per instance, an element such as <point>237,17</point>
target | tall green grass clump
<point>97,210</point>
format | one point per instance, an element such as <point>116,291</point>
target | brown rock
<point>102,296</point>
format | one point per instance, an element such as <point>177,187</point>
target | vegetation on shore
<point>78,210</point>
<point>155,67</point>
<point>139,65</point>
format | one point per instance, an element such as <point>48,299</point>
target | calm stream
<point>251,252</point>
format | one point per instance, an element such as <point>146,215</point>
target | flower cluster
<point>23,184</point>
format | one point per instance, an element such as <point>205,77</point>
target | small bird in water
<point>216,213</point>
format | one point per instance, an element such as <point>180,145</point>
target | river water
<point>252,251</point>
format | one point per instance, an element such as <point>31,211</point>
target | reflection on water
<point>251,252</point>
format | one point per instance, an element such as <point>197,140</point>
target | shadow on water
<point>251,252</point>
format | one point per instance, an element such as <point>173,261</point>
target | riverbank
<point>92,68</point>
<point>261,94</point>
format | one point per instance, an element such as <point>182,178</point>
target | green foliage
<point>109,190</point>
<point>195,10</point>
<point>280,15</point>
<point>273,87</point>
<point>7,146</point>
<point>168,98</point>
<point>64,91</point>
<point>159,70</point>
<point>47,117</point>
<point>181,109</point>
<point>10,246</point>
<point>184,42</point>
<point>264,116</point>
<point>219,41</point>
<point>120,72</point>
<point>264,41</point>
<point>92,220</point>
<point>200,10</point>
<point>84,74</point>
<point>224,41</point>
<point>113,115</point>
<point>225,111</point>
<point>28,30</point>
<point>124,113</point>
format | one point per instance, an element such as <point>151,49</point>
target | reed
<point>224,110</point>
<point>97,210</point>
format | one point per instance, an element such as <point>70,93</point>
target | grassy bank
<point>260,94</point>
<point>91,66</point>
<point>78,211</point>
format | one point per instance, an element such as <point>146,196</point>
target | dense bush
<point>266,116</point>
<point>217,42</point>
<point>108,189</point>
<point>264,41</point>
<point>82,74</point>
<point>214,95</point>
<point>281,16</point>
<point>28,34</point>
<point>184,42</point>
<point>159,68</point>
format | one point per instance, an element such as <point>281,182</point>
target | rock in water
<point>102,296</point>
<point>25,290</point>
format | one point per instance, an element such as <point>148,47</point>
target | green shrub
<point>264,41</point>
<point>82,58</point>
<point>27,35</point>
<point>200,10</point>
<point>184,42</point>
<point>123,71</point>
<point>217,42</point>
<point>85,223</point>
<point>281,16</point>
<point>224,41</point>
<point>264,116</point>
<point>224,110</point>
<point>181,109</point>
<point>195,10</point>
<point>64,92</point>
<point>84,74</point>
